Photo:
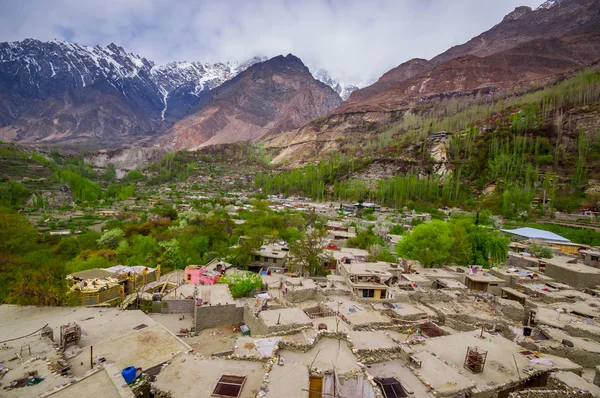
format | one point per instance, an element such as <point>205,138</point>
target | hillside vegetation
<point>500,153</point>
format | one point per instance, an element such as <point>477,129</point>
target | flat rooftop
<point>500,363</point>
<point>484,277</point>
<point>398,369</point>
<point>325,355</point>
<point>415,278</point>
<point>218,293</point>
<point>406,310</point>
<point>190,377</point>
<point>99,324</point>
<point>355,313</point>
<point>286,316</point>
<point>443,378</point>
<point>142,348</point>
<point>563,262</point>
<point>97,384</point>
<point>368,269</point>
<point>514,292</point>
<point>372,340</point>
<point>435,273</point>
<point>39,348</point>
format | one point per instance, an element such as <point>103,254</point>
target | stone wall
<point>578,330</point>
<point>259,328</point>
<point>516,260</point>
<point>177,307</point>
<point>299,295</point>
<point>211,316</point>
<point>513,310</point>
<point>571,277</point>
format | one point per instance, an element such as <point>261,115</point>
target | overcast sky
<point>355,40</point>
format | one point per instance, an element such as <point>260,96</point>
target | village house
<point>272,255</point>
<point>368,280</point>
<point>590,257</point>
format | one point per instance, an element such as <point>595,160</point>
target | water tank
<point>129,374</point>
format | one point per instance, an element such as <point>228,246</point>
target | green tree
<point>428,243</point>
<point>17,235</point>
<point>460,253</point>
<point>172,256</point>
<point>241,283</point>
<point>111,239</point>
<point>307,251</point>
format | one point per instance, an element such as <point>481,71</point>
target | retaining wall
<point>218,315</point>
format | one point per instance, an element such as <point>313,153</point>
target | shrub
<point>241,283</point>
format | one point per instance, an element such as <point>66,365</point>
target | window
<point>368,293</point>
<point>595,258</point>
<point>229,386</point>
<point>256,258</point>
<point>188,277</point>
<point>391,387</point>
<point>274,261</point>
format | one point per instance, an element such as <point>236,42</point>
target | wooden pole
<point>91,357</point>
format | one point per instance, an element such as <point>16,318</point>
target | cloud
<point>355,40</point>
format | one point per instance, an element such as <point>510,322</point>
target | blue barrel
<point>129,374</point>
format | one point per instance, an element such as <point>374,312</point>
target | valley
<point>262,228</point>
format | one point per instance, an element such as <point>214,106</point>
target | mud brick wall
<point>218,315</point>
<point>571,277</point>
<point>177,307</point>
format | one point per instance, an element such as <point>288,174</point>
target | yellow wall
<point>568,249</point>
<point>377,294</point>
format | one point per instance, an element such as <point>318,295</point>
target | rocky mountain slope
<point>344,90</point>
<point>64,92</point>
<point>554,18</point>
<point>273,96</point>
<point>527,49</point>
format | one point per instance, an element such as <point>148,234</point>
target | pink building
<point>198,275</point>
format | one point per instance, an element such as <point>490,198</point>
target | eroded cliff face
<point>127,158</point>
<point>553,19</point>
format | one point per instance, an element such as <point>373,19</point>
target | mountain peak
<point>517,13</point>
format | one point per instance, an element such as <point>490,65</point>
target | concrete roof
<point>436,273</point>
<point>399,370</point>
<point>363,315</point>
<point>534,233</point>
<point>574,381</point>
<point>451,283</point>
<point>563,262</point>
<point>190,377</point>
<point>500,363</point>
<point>416,278</point>
<point>484,277</point>
<point>100,384</point>
<point>143,348</point>
<point>99,324</point>
<point>39,348</point>
<point>443,379</point>
<point>331,353</point>
<point>379,268</point>
<point>371,340</point>
<point>286,316</point>
<point>272,251</point>
<point>514,292</point>
<point>218,293</point>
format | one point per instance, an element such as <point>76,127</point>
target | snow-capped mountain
<point>343,90</point>
<point>129,93</point>
<point>547,4</point>
<point>193,78</point>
